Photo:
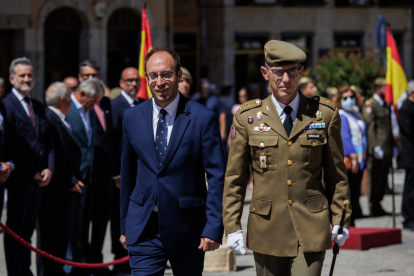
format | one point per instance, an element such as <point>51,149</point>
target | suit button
<point>324,206</point>
<point>254,210</point>
<point>314,144</point>
<point>290,162</point>
<point>289,182</point>
<point>262,145</point>
<point>152,199</point>
<point>290,202</point>
<point>290,142</point>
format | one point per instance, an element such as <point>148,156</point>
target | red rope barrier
<point>56,259</point>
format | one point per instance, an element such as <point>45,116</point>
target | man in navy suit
<point>130,84</point>
<point>83,119</point>
<point>34,163</point>
<point>170,145</point>
<point>57,197</point>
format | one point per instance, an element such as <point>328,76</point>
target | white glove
<point>235,242</point>
<point>378,153</point>
<point>341,238</point>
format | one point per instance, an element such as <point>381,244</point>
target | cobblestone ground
<point>384,261</point>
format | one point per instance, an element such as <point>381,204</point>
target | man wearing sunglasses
<point>290,140</point>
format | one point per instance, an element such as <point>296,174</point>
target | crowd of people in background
<point>61,164</point>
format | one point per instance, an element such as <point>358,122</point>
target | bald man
<point>72,84</point>
<point>130,84</point>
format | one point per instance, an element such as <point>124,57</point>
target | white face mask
<point>348,103</point>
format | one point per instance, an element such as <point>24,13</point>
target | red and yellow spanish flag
<point>146,46</point>
<point>396,81</point>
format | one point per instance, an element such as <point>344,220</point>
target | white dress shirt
<point>61,116</point>
<point>20,97</point>
<point>169,119</point>
<point>84,115</point>
<point>128,98</point>
<point>293,104</point>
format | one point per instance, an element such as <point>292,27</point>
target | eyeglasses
<point>352,97</point>
<point>278,73</point>
<point>132,80</point>
<point>90,75</point>
<point>167,75</point>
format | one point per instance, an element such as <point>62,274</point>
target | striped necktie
<point>32,115</point>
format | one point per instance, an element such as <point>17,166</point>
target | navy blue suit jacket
<point>87,146</point>
<point>32,150</point>
<point>186,210</point>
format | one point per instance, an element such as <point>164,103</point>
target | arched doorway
<point>124,28</point>
<point>61,37</point>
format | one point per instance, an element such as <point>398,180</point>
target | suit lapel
<point>147,131</point>
<point>77,122</point>
<point>17,104</point>
<point>302,118</point>
<point>180,125</point>
<point>272,118</point>
<point>55,117</point>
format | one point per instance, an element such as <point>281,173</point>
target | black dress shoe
<point>379,212</point>
<point>409,224</point>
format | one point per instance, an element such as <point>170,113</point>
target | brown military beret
<point>186,74</point>
<point>379,82</point>
<point>279,52</point>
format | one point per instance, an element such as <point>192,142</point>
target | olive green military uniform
<point>379,133</point>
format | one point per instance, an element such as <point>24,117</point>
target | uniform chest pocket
<point>312,145</point>
<point>264,152</point>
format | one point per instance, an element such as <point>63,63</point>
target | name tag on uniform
<point>314,135</point>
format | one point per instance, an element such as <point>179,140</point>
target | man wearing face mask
<point>378,116</point>
<point>353,133</point>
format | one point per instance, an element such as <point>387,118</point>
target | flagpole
<point>393,195</point>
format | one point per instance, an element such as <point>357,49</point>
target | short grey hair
<point>91,87</point>
<point>410,88</point>
<point>20,60</point>
<point>89,63</point>
<point>2,82</point>
<point>55,91</point>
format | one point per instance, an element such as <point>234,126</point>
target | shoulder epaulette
<point>326,102</point>
<point>250,104</point>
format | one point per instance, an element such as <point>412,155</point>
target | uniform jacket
<point>186,210</point>
<point>119,104</point>
<point>5,145</point>
<point>67,155</point>
<point>290,205</point>
<point>32,150</point>
<point>379,131</point>
<point>406,122</point>
<point>87,147</point>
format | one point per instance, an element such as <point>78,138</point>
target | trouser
<point>377,179</point>
<point>22,211</point>
<point>1,199</point>
<point>148,256</point>
<point>309,264</point>
<point>407,209</point>
<point>117,249</point>
<point>97,209</point>
<point>54,225</point>
<point>355,191</point>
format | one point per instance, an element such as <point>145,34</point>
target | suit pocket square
<point>137,197</point>
<point>191,201</point>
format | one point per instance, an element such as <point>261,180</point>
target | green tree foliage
<point>337,69</point>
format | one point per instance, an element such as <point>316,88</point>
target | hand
<point>38,178</point>
<point>122,240</point>
<point>208,245</point>
<point>5,172</point>
<point>341,238</point>
<point>355,166</point>
<point>46,175</point>
<point>235,242</point>
<point>118,183</point>
<point>378,153</point>
<point>77,188</point>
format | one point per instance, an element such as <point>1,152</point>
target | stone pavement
<point>385,261</point>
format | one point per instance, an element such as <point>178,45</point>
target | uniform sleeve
<point>335,173</point>
<point>236,177</point>
<point>346,136</point>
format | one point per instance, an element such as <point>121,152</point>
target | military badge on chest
<point>250,120</point>
<point>263,160</point>
<point>261,128</point>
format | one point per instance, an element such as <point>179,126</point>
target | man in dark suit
<point>130,84</point>
<point>34,163</point>
<point>170,145</point>
<point>406,122</point>
<point>82,119</point>
<point>57,197</point>
<point>5,154</point>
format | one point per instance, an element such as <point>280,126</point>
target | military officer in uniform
<point>378,116</point>
<point>292,143</point>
